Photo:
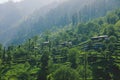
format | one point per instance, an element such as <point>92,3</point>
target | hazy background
<point>27,18</point>
<point>3,1</point>
<point>12,14</point>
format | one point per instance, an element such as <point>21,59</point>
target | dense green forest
<point>82,51</point>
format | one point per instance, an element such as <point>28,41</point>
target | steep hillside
<point>11,14</point>
<point>27,22</point>
<point>66,13</point>
<point>85,51</point>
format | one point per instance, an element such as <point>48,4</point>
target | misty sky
<point>3,1</point>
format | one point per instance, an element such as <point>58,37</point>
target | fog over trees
<point>19,18</point>
<point>60,40</point>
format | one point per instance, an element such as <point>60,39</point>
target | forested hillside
<point>64,14</point>
<point>54,15</point>
<point>11,14</point>
<point>87,50</point>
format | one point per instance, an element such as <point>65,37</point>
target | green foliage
<point>70,53</point>
<point>73,56</point>
<point>44,66</point>
<point>112,18</point>
<point>65,73</point>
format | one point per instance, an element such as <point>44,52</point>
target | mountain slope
<point>13,13</point>
<point>91,49</point>
<point>55,14</point>
<point>66,13</point>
